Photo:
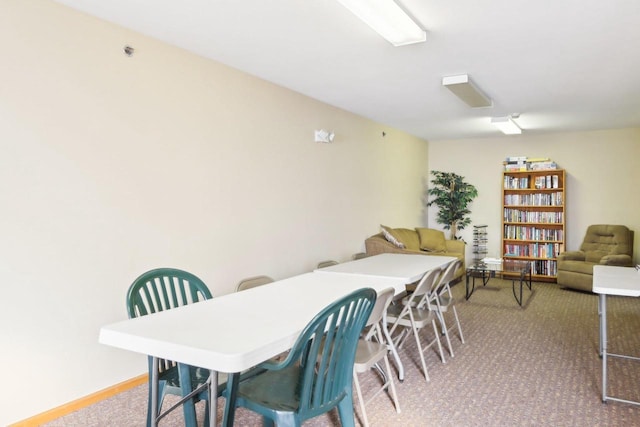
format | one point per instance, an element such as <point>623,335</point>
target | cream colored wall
<point>112,165</point>
<point>602,175</point>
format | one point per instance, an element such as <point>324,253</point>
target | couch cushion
<point>408,237</point>
<point>576,267</point>
<point>389,234</point>
<point>607,239</point>
<point>595,256</point>
<point>431,240</point>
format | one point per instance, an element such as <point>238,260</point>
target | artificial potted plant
<point>452,195</point>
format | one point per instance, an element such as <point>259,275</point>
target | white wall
<point>602,175</point>
<point>112,165</point>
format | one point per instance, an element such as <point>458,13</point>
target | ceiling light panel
<point>387,19</point>
<point>462,86</point>
<point>506,125</point>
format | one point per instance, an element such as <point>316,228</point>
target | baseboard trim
<point>82,402</point>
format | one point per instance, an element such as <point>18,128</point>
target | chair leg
<point>267,422</point>
<point>436,333</point>
<point>149,411</point>
<point>345,410</point>
<point>188,407</point>
<point>391,385</point>
<point>445,330</point>
<point>455,312</point>
<point>206,412</point>
<point>189,410</point>
<point>421,352</point>
<point>365,420</point>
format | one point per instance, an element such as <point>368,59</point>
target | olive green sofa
<point>423,241</point>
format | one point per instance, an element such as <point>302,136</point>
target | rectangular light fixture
<point>506,125</point>
<point>387,19</point>
<point>462,86</point>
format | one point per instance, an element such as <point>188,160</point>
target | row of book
<point>524,163</point>
<point>544,268</point>
<point>521,232</point>
<point>533,250</point>
<point>524,182</point>
<point>516,215</point>
<point>546,181</point>
<point>535,199</point>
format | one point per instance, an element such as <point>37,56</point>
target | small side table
<point>485,272</point>
<point>611,280</point>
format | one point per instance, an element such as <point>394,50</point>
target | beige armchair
<point>602,245</point>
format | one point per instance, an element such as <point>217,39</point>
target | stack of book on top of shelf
<point>524,163</point>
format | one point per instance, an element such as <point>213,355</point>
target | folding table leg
<point>154,392</point>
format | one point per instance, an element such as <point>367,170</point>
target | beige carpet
<point>531,366</point>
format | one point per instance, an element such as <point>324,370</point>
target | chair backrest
<point>163,289</point>
<point>418,297</point>
<point>326,351</point>
<point>377,319</point>
<point>603,239</point>
<point>252,282</point>
<point>383,300</point>
<point>327,263</point>
<point>446,277</point>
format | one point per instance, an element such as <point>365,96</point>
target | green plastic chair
<point>163,289</point>
<point>317,374</point>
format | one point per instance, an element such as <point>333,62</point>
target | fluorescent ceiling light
<point>387,19</point>
<point>506,125</point>
<point>463,88</point>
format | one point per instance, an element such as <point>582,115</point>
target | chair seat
<point>172,378</point>
<point>199,376</point>
<point>276,390</point>
<point>445,302</point>
<point>368,354</point>
<point>421,316</point>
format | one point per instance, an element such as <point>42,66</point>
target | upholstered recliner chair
<point>603,245</point>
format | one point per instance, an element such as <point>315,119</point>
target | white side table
<point>610,280</point>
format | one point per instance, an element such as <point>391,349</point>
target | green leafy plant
<point>452,195</point>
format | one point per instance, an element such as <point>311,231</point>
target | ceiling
<point>564,65</point>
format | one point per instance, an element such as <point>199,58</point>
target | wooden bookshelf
<point>533,219</point>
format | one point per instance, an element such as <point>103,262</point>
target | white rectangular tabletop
<point>407,267</point>
<point>234,332</point>
<point>613,280</point>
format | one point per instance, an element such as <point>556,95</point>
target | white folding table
<point>406,267</point>
<point>612,280</point>
<point>239,330</point>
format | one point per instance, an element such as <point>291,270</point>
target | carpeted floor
<point>531,366</point>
